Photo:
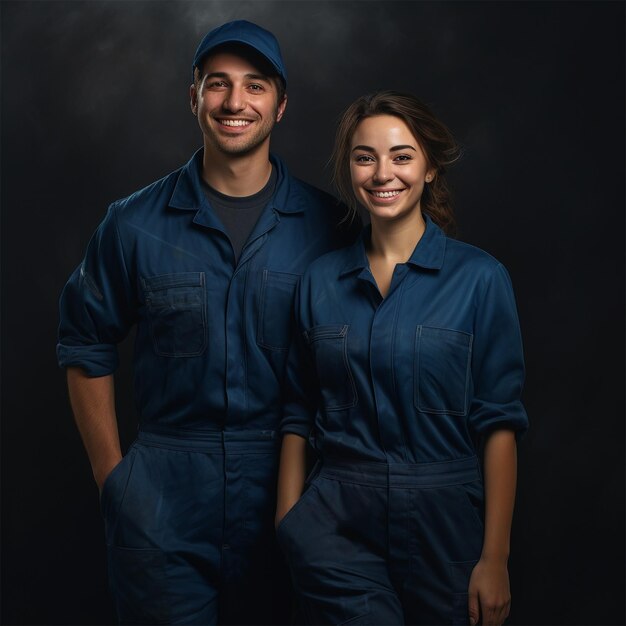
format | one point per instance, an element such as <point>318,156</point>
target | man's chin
<point>236,148</point>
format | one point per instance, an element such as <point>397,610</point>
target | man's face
<point>236,104</point>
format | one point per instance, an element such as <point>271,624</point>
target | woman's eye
<point>363,158</point>
<point>403,157</point>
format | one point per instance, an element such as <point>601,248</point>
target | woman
<point>408,363</point>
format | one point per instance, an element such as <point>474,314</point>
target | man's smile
<point>234,123</point>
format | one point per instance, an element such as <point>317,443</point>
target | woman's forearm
<point>500,474</point>
<point>489,594</point>
<point>292,473</point>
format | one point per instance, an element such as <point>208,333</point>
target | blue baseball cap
<point>243,32</point>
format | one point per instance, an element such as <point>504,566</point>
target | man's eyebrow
<point>215,75</point>
<point>393,149</point>
<point>258,77</point>
<point>225,75</point>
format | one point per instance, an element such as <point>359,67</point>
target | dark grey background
<point>95,105</point>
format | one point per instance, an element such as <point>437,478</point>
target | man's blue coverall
<point>189,510</point>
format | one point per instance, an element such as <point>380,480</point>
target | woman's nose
<point>383,172</point>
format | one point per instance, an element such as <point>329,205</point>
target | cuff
<point>95,360</point>
<point>494,417</point>
<point>296,429</point>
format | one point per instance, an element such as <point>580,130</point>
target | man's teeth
<point>386,194</point>
<point>235,122</point>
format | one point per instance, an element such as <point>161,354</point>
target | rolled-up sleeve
<point>497,360</point>
<point>97,304</point>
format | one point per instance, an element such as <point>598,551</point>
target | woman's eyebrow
<point>394,149</point>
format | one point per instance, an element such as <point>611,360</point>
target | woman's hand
<point>489,593</point>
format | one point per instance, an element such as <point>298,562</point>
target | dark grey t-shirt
<point>240,214</point>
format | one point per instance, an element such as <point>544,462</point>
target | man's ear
<point>281,108</point>
<point>193,98</point>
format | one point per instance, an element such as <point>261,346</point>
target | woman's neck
<point>394,241</point>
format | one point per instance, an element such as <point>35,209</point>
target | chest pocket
<point>329,345</point>
<point>275,307</point>
<point>442,370</point>
<point>176,309</point>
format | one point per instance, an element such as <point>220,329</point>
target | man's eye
<point>216,83</point>
<point>256,87</point>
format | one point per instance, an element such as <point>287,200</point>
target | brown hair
<point>436,141</point>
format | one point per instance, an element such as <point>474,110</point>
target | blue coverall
<point>396,394</point>
<point>189,510</point>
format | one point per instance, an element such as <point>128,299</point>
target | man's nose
<point>235,100</point>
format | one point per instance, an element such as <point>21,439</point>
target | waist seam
<point>419,475</point>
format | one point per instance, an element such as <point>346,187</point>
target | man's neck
<point>237,175</point>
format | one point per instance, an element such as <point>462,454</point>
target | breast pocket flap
<point>176,312</point>
<point>329,347</point>
<point>275,308</point>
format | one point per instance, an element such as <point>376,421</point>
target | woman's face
<point>388,168</point>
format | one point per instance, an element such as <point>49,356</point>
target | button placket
<point>381,348</point>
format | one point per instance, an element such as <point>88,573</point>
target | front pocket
<point>329,345</point>
<point>442,370</point>
<point>473,497</point>
<point>176,306</point>
<point>115,483</point>
<point>114,489</point>
<point>275,306</point>
<point>307,492</point>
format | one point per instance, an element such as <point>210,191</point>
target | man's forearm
<point>93,404</point>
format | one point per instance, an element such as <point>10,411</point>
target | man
<point>205,262</point>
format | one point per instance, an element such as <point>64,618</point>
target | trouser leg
<point>386,544</point>
<point>189,525</point>
<point>443,544</point>
<point>163,519</point>
<point>335,541</point>
<point>255,585</point>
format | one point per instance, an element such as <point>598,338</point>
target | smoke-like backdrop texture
<point>95,105</point>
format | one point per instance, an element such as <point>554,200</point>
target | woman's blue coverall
<point>396,394</point>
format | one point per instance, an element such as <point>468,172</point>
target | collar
<point>188,194</point>
<point>428,253</point>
